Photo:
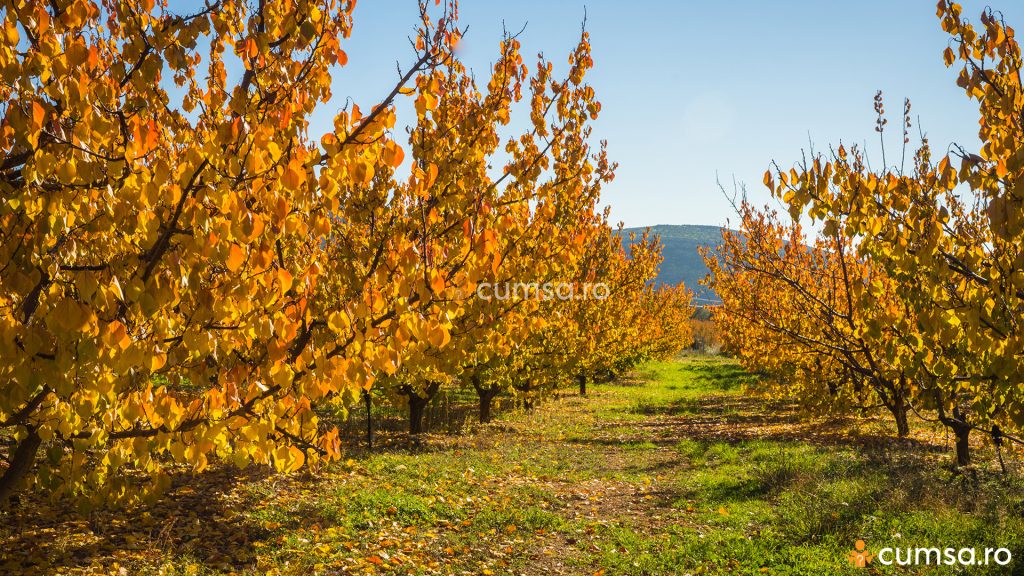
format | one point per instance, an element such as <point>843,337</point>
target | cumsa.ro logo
<point>859,556</point>
<point>929,556</point>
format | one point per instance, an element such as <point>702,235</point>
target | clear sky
<point>694,91</point>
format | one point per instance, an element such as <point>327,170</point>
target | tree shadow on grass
<point>200,517</point>
<point>735,418</point>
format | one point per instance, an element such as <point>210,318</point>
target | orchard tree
<point>798,312</point>
<point>474,229</point>
<point>956,258</point>
<point>618,317</point>
<point>162,248</point>
<point>560,174</point>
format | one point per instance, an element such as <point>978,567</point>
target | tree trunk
<point>962,433</point>
<point>22,460</point>
<point>368,400</point>
<point>963,447</point>
<point>899,414</point>
<point>486,396</point>
<point>417,405</point>
<point>582,379</point>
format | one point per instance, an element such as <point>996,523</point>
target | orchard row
<point>190,269</point>
<point>909,296</point>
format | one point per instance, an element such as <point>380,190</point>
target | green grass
<point>672,471</point>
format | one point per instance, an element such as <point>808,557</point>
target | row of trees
<point>909,295</point>
<point>188,270</point>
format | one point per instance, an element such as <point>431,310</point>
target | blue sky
<point>692,91</point>
<point>695,92</point>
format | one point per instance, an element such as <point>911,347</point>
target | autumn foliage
<point>911,291</point>
<point>188,270</point>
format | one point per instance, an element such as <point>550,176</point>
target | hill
<point>683,262</point>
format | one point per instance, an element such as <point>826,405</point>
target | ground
<point>673,470</point>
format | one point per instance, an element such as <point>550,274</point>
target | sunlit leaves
<point>936,285</point>
<point>187,274</point>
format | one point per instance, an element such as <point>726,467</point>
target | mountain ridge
<point>682,260</point>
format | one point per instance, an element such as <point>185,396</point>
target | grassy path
<point>671,472</point>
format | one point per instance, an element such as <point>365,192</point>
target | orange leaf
<point>236,256</point>
<point>437,283</point>
<point>251,49</point>
<point>293,175</point>
<point>394,155</point>
<point>285,278</point>
<point>150,141</point>
<point>38,115</point>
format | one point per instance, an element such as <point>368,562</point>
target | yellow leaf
<point>68,315</point>
<point>338,322</point>
<point>363,173</point>
<point>117,335</point>
<point>284,277</point>
<point>115,287</point>
<point>432,171</point>
<point>178,451</point>
<point>281,374</point>
<point>439,336</point>
<point>157,361</point>
<point>288,459</point>
<point>293,176</point>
